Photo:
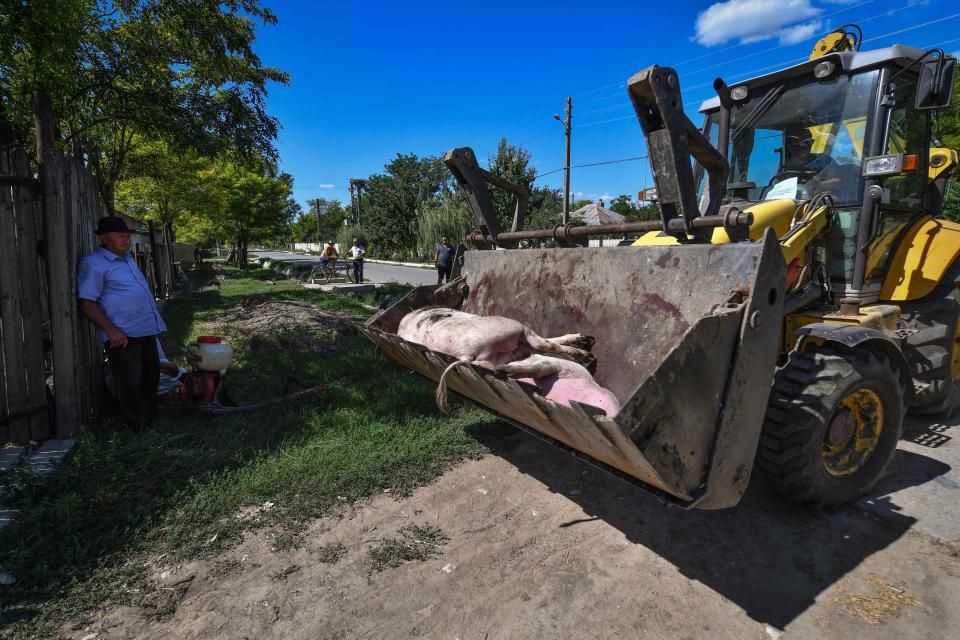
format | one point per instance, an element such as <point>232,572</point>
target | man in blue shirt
<point>116,297</point>
<point>443,258</point>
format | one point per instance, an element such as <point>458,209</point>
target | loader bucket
<point>686,339</point>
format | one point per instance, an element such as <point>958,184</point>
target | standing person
<point>197,255</point>
<point>357,252</point>
<point>116,297</point>
<point>443,258</point>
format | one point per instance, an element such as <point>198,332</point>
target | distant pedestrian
<point>115,296</point>
<point>357,252</point>
<point>197,255</point>
<point>443,258</point>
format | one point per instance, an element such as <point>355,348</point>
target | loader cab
<point>807,130</point>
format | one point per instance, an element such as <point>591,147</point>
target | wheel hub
<point>853,433</point>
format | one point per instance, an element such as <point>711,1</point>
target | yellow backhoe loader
<point>798,294</point>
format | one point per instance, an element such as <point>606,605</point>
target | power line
<point>781,65</point>
<point>749,73</point>
<point>793,61</point>
<point>593,164</point>
<point>909,5</point>
<point>740,44</point>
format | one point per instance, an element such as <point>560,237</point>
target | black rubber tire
<point>807,392</point>
<point>930,350</point>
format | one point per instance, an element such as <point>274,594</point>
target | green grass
<point>85,534</point>
<point>416,543</point>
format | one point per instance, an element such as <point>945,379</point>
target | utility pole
<point>566,122</point>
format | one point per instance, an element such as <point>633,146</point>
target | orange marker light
<point>911,162</point>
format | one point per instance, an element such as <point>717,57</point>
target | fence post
<point>63,303</point>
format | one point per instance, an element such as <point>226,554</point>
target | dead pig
<point>487,341</point>
<point>562,381</point>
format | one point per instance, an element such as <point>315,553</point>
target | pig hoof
<point>584,342</point>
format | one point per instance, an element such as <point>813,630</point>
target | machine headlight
<point>824,70</point>
<point>878,166</point>
<point>739,93</point>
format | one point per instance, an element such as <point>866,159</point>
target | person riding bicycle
<point>328,257</point>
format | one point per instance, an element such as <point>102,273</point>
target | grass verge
<point>93,533</point>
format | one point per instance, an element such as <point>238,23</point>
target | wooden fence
<point>51,358</point>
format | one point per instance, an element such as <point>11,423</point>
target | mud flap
<point>686,339</point>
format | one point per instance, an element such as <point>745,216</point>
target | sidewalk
<point>418,265</point>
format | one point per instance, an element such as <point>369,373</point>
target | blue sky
<point>371,79</point>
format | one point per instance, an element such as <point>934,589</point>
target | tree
<point>396,199</point>
<point>118,71</point>
<point>634,212</point>
<point>165,186</point>
<point>511,163</point>
<point>579,204</point>
<point>331,215</point>
<point>254,204</point>
<point>947,129</point>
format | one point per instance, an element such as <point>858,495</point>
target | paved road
<point>378,273</point>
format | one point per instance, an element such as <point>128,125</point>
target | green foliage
<point>249,202</point>
<point>947,128</point>
<point>182,71</point>
<point>331,213</point>
<point>449,216</point>
<point>511,163</point>
<point>345,235</point>
<point>634,211</point>
<point>396,199</point>
<point>167,186</point>
<point>331,553</point>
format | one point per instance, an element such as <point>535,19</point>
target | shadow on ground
<point>767,556</point>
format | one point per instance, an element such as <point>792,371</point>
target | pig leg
<point>577,340</point>
<point>546,346</point>
<point>533,367</point>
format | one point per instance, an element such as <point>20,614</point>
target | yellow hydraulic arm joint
<point>795,242</point>
<point>942,160</point>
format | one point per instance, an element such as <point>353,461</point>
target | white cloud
<point>750,20</point>
<point>801,32</point>
<point>326,186</point>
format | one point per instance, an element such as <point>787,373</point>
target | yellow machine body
<point>921,259</point>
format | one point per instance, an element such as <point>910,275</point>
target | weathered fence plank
<point>30,295</point>
<point>11,315</point>
<point>90,349</point>
<point>61,290</point>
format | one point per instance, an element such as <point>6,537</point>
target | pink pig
<point>487,341</point>
<point>562,381</point>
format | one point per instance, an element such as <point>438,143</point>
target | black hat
<point>112,224</point>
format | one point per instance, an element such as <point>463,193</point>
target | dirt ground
<point>310,326</point>
<point>542,545</point>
